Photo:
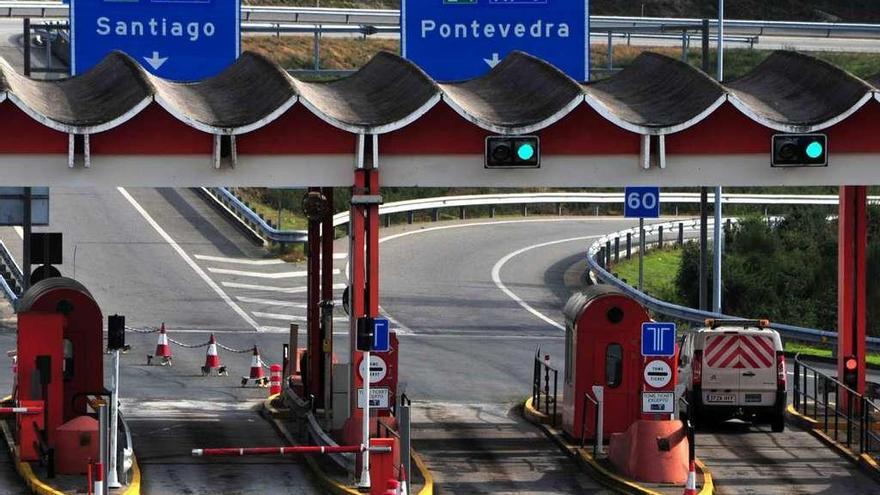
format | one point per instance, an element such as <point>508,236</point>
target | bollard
<point>99,478</point>
<point>274,379</point>
<point>629,245</point>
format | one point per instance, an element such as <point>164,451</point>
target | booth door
<point>617,367</point>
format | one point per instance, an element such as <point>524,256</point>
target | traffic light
<point>800,150</point>
<point>513,152</point>
<point>115,332</point>
<point>851,372</point>
<point>365,334</point>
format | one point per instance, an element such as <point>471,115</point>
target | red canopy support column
<point>314,378</point>
<point>356,302</point>
<point>327,238</point>
<point>851,272</point>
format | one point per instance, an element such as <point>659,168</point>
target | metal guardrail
<point>14,271</point>
<point>542,371</point>
<point>689,314</point>
<point>379,17</point>
<point>262,228</point>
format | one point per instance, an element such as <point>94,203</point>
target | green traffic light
<point>525,152</point>
<point>815,149</point>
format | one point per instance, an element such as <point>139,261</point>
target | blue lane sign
<point>183,40</point>
<point>641,202</point>
<point>658,339</point>
<point>461,39</point>
<point>381,337</point>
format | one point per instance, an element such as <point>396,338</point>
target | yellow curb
<point>536,415</point>
<point>134,488</point>
<point>339,489</point>
<point>708,484</point>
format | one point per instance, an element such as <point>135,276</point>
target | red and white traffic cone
<point>274,379</point>
<point>212,359</point>
<point>402,482</point>
<point>392,487</point>
<point>163,350</point>
<point>257,376</point>
<point>690,487</point>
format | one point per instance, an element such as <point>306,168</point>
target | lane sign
<point>379,398</point>
<point>381,337</point>
<point>461,39</point>
<point>183,40</point>
<point>378,369</point>
<point>658,402</point>
<point>658,373</point>
<point>641,202</point>
<point>658,339</point>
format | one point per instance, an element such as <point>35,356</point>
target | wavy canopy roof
<point>789,92</point>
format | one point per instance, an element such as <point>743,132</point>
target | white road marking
<point>496,276</point>
<point>340,256</point>
<point>286,330</point>
<point>271,302</point>
<point>278,316</point>
<point>460,336</point>
<point>238,261</point>
<point>269,288</point>
<point>273,276</point>
<point>18,230</point>
<point>189,261</point>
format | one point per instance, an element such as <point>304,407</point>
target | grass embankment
<point>661,269</point>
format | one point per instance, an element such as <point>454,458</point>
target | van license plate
<point>753,398</point>
<point>720,398</point>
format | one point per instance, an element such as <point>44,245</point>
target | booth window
<point>613,365</point>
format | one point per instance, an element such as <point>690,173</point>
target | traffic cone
<point>257,374</point>
<point>212,359</point>
<point>392,487</point>
<point>402,482</point>
<point>163,350</point>
<point>690,487</point>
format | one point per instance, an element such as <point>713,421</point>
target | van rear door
<point>721,381</point>
<point>758,370</point>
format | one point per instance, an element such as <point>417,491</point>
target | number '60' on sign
<point>641,202</point>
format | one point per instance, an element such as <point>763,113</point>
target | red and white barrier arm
<point>21,410</point>
<point>302,449</point>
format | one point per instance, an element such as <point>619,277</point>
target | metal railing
<point>842,413</point>
<point>542,372</point>
<point>596,253</point>
<point>236,207</point>
<point>597,445</point>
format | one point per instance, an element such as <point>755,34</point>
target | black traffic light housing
<point>513,152</point>
<point>365,334</point>
<point>115,332</point>
<point>800,150</point>
<point>851,372</point>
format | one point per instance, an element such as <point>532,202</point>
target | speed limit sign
<point>641,202</point>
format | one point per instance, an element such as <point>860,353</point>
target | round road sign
<point>378,369</point>
<point>658,374</point>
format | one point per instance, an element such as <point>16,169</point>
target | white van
<point>734,369</point>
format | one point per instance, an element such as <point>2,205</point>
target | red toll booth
<point>602,348</point>
<point>60,353</point>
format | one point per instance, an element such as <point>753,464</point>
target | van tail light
<point>697,368</point>
<point>780,371</point>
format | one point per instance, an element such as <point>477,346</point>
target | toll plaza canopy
<point>659,121</point>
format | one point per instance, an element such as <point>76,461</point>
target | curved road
<point>459,291</point>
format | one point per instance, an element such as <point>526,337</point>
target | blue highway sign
<point>658,339</point>
<point>183,40</point>
<point>381,337</point>
<point>461,39</point>
<point>641,202</point>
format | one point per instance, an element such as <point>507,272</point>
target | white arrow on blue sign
<point>183,40</point>
<point>462,39</point>
<point>658,339</point>
<point>381,335</point>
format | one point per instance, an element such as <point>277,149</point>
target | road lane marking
<point>274,276</point>
<point>496,276</point>
<point>278,316</point>
<point>286,330</point>
<point>271,302</point>
<point>238,261</point>
<point>189,261</point>
<point>269,288</point>
<point>340,256</point>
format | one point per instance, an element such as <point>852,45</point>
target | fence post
<point>387,221</point>
<point>559,209</point>
<point>601,258</point>
<point>629,245</point>
<point>660,237</point>
<point>797,386</point>
<point>680,234</point>
<point>462,215</point>
<point>525,210</point>
<point>435,214</point>
<point>410,217</point>
<point>607,253</point>
<point>616,249</point>
<point>405,454</point>
<point>547,384</point>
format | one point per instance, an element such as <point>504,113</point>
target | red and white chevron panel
<point>739,351</point>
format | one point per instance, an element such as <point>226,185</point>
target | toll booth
<point>602,348</point>
<point>60,357</point>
